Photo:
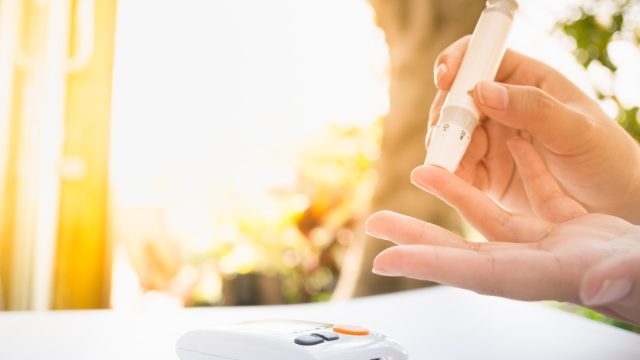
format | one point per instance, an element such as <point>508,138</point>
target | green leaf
<point>592,39</point>
<point>629,120</point>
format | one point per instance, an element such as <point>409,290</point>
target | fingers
<point>515,273</point>
<point>479,144</point>
<point>467,172</point>
<point>483,213</point>
<point>478,147</point>
<point>477,150</point>
<point>614,283</point>
<point>559,128</point>
<point>403,229</point>
<point>448,63</point>
<point>548,200</point>
<point>472,160</point>
<point>515,68</point>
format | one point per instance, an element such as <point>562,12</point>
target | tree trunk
<point>415,31</point>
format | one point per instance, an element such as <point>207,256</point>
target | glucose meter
<point>288,340</point>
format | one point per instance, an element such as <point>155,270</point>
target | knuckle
<point>588,129</point>
<point>539,102</point>
<point>424,231</point>
<point>491,286</point>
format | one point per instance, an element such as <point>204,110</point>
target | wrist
<point>634,204</point>
<point>628,204</point>
<point>612,286</point>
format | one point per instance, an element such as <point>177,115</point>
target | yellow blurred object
<point>83,253</point>
<point>55,94</point>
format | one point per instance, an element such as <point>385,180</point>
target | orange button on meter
<point>351,330</point>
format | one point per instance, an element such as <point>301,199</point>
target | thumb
<point>614,283</point>
<point>558,127</point>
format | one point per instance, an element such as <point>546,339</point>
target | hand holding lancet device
<point>459,115</point>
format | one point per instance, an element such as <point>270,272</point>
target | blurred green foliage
<point>590,314</point>
<point>595,25</point>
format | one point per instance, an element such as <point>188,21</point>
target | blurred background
<point>172,153</point>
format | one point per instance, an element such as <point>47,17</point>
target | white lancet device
<point>288,340</point>
<point>459,115</point>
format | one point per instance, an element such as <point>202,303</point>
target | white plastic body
<point>459,117</point>
<point>274,340</point>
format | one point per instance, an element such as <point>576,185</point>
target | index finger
<point>483,213</point>
<point>517,273</point>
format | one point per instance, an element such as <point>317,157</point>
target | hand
<point>591,156</point>
<point>566,254</point>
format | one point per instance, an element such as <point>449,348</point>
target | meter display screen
<point>280,327</point>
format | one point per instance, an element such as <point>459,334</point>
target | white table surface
<point>434,323</point>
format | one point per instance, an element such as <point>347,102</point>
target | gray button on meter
<point>308,340</point>
<point>327,336</point>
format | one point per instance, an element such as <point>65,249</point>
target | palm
<point>577,244</point>
<point>527,257</point>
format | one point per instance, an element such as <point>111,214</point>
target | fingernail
<point>382,272</point>
<point>439,72</point>
<point>611,291</point>
<point>493,95</point>
<point>414,178</point>
<point>371,229</point>
<point>417,180</point>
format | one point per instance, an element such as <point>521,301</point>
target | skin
<point>565,255</point>
<point>549,179</point>
<point>590,155</point>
